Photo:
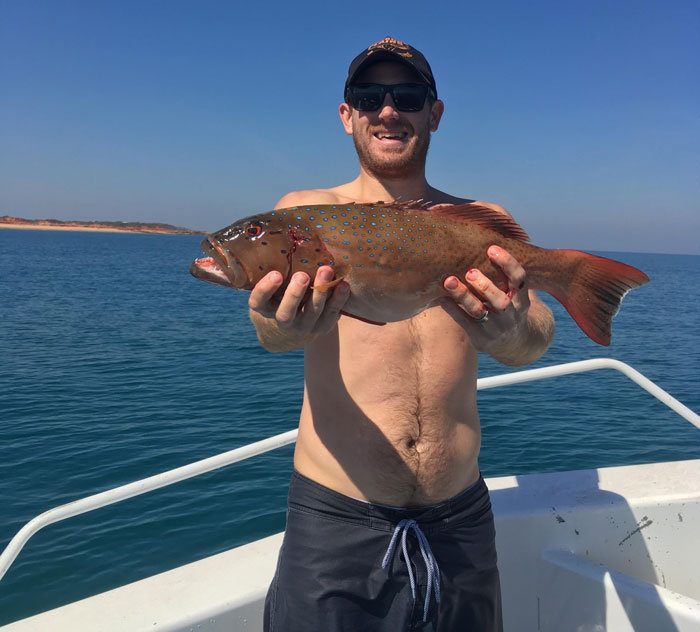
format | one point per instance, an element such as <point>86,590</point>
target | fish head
<point>242,253</point>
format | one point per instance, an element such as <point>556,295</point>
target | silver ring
<point>483,318</point>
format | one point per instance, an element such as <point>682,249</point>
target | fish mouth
<point>217,268</point>
<point>206,269</point>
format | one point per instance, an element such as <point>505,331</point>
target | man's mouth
<point>391,136</point>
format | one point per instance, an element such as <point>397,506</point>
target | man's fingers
<point>496,299</point>
<point>515,273</point>
<point>464,298</point>
<point>332,308</point>
<point>299,310</point>
<point>313,307</point>
<point>293,296</point>
<point>261,296</point>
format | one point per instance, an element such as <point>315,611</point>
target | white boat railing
<point>163,479</point>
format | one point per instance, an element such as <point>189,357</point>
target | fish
<point>396,256</point>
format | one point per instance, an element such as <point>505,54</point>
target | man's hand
<point>296,316</point>
<point>507,333</point>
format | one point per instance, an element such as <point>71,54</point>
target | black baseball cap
<point>392,50</point>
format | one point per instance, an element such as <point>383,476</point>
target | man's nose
<point>388,110</point>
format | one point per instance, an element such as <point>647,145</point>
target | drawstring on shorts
<point>431,565</point>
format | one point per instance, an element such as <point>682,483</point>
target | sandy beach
<point>92,229</point>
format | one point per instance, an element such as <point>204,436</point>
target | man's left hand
<point>494,319</point>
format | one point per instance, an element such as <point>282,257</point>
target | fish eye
<point>253,230</point>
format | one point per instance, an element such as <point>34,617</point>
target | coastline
<point>97,228</point>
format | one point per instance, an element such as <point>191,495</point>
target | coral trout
<point>395,258</point>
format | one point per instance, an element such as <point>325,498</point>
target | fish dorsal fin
<point>473,213</point>
<point>406,205</point>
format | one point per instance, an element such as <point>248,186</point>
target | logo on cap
<point>391,45</point>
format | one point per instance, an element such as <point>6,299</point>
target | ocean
<point>117,364</point>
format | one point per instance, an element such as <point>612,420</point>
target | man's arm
<point>294,320</point>
<point>519,328</point>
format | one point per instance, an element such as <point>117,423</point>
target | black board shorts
<point>342,565</point>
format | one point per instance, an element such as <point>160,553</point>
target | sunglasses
<point>369,97</point>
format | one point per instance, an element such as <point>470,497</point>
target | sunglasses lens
<point>409,98</point>
<point>368,97</point>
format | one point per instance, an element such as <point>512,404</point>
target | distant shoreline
<point>97,227</point>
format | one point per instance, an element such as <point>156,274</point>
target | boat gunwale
<point>163,479</point>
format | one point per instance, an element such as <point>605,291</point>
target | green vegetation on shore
<point>127,226</point>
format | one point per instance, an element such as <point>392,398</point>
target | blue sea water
<point>117,364</point>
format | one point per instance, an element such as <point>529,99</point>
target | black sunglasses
<point>369,97</point>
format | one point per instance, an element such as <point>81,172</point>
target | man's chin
<point>393,164</point>
<point>386,161</point>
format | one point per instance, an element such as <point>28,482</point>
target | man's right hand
<point>296,315</point>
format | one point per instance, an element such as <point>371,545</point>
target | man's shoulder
<point>314,196</point>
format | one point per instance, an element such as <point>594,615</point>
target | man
<point>389,436</point>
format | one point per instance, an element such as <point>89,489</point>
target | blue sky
<point>581,118</point>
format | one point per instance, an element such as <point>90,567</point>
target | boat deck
<point>611,549</point>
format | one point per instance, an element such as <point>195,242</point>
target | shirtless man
<point>389,432</point>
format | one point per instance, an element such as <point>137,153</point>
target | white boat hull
<point>613,549</point>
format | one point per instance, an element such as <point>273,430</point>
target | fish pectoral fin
<point>326,287</point>
<point>364,320</point>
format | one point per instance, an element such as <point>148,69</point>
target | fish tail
<point>591,289</point>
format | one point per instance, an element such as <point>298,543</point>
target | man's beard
<point>398,165</point>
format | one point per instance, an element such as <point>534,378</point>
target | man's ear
<point>436,112</point>
<point>345,112</point>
